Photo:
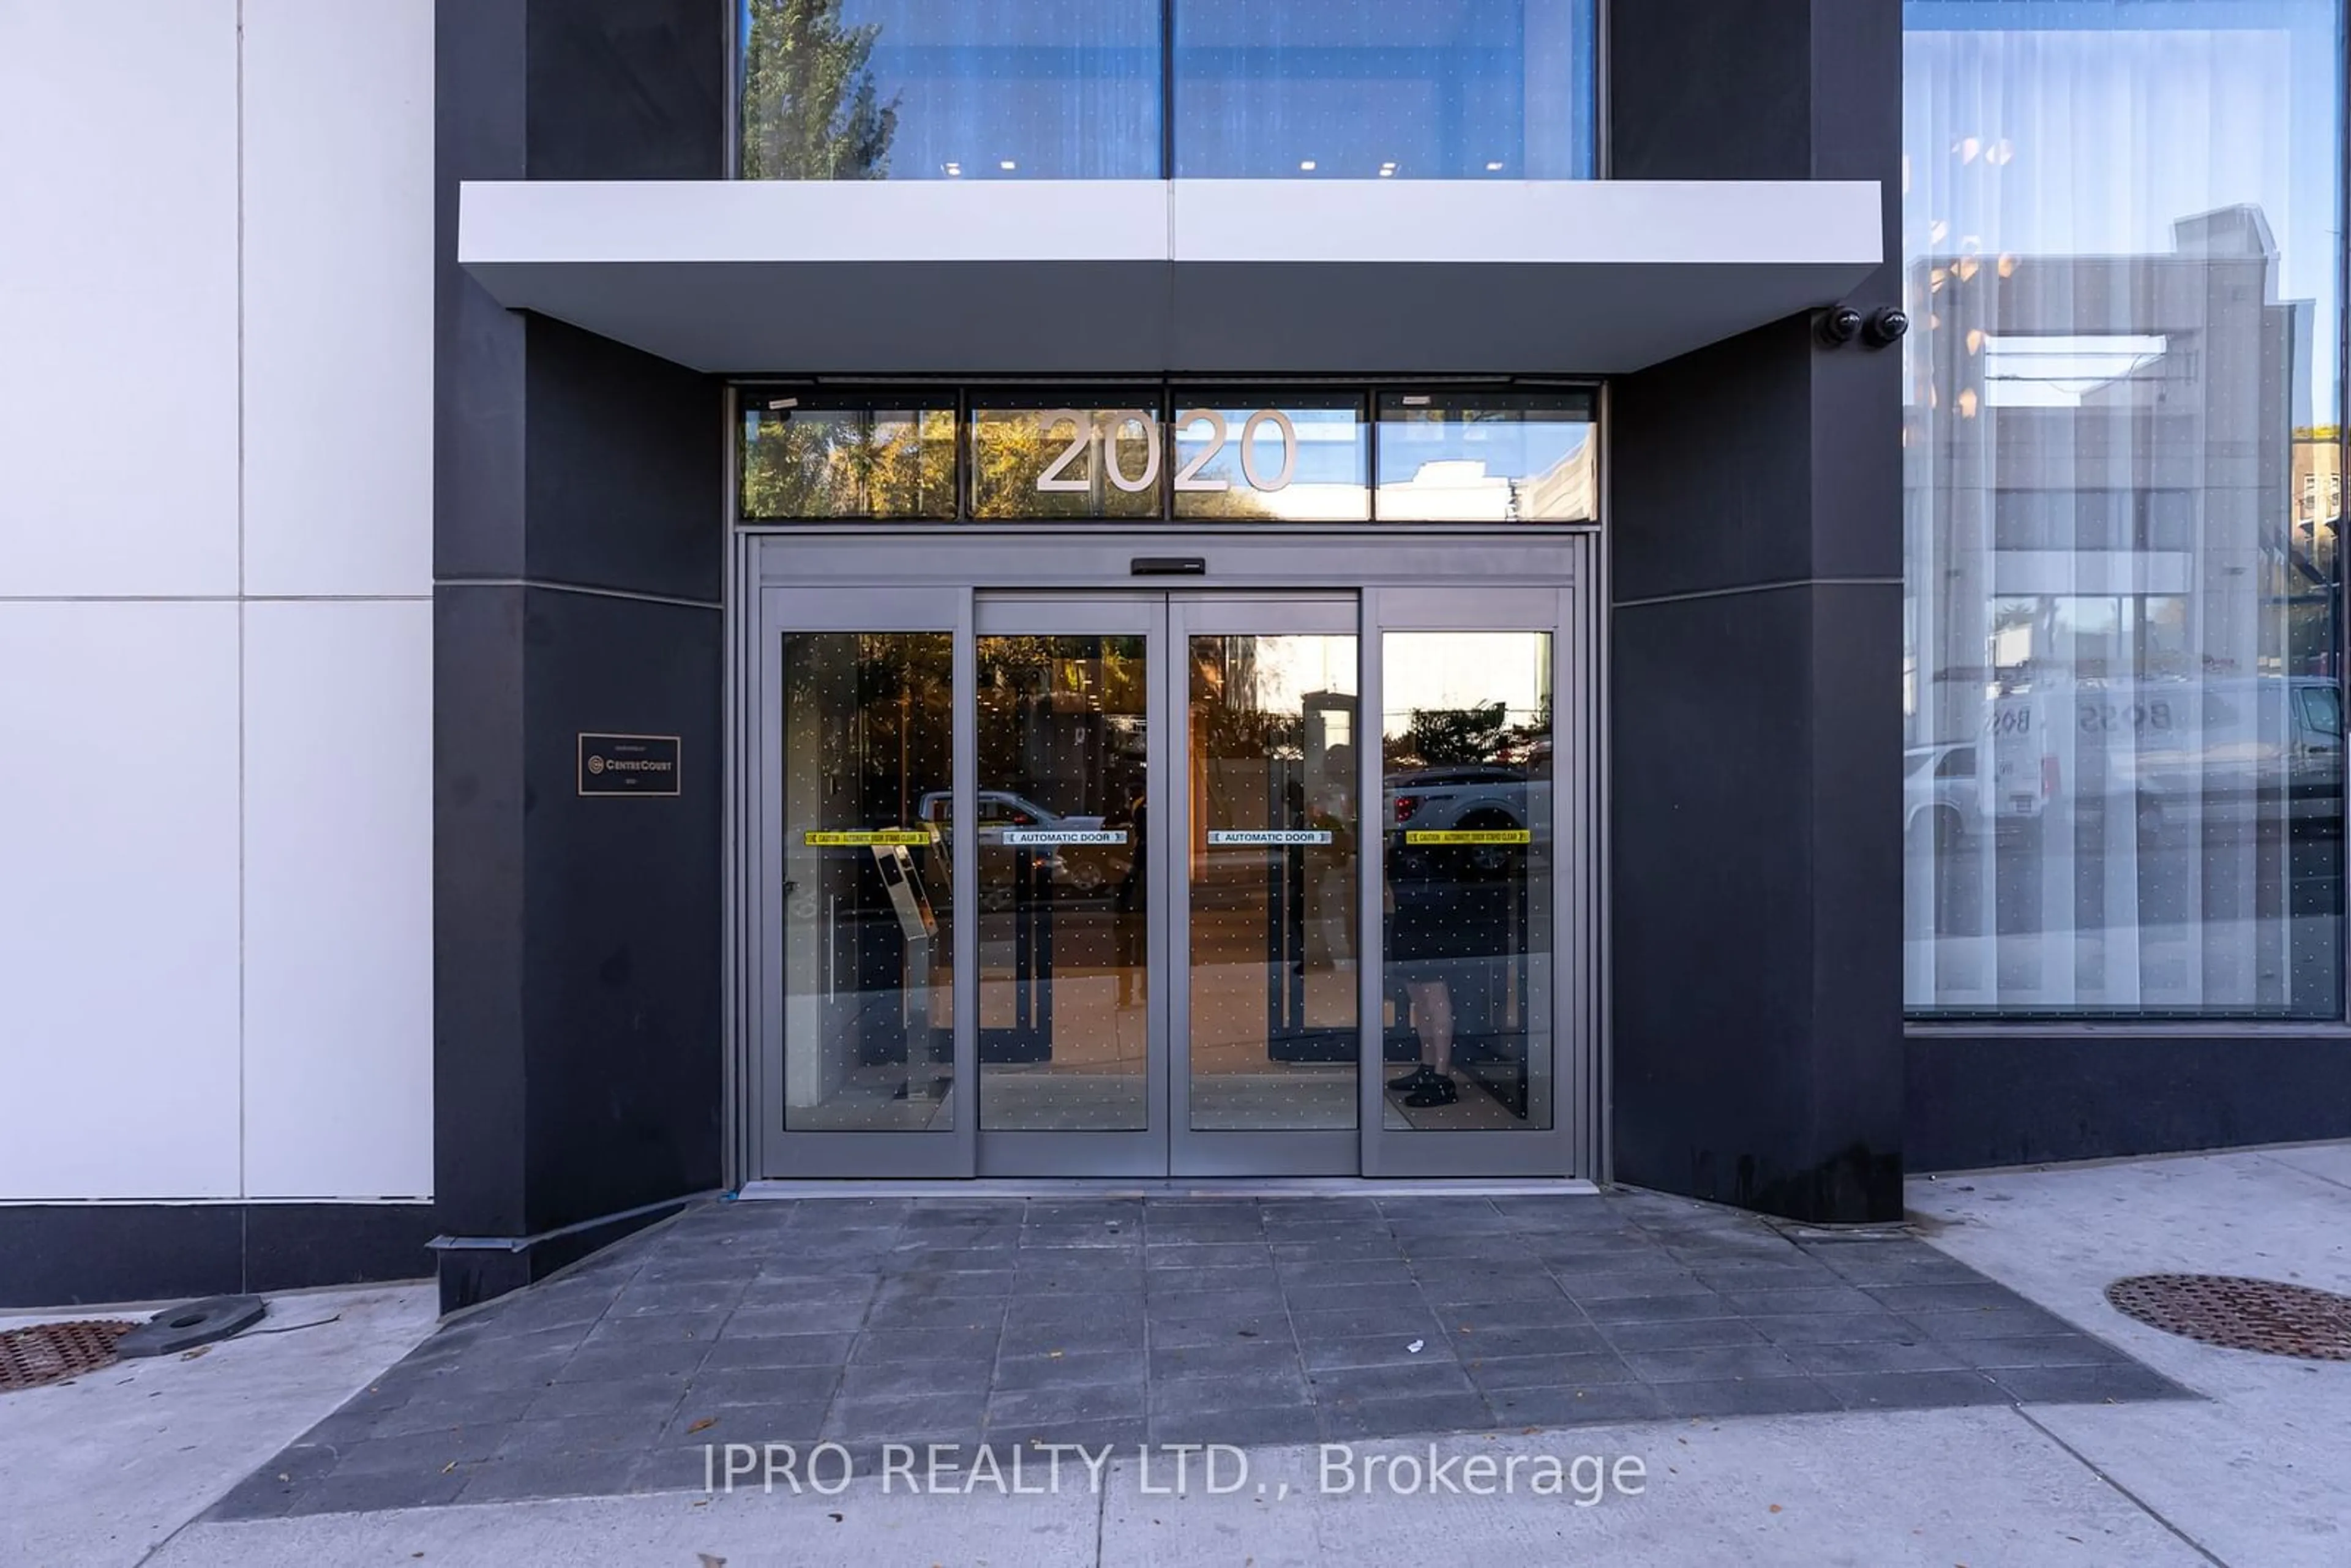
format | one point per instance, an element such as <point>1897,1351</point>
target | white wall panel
<point>339,899</point>
<point>338,297</point>
<point>118,900</point>
<point>118,297</point>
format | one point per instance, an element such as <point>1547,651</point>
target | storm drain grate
<point>2240,1315</point>
<point>47,1352</point>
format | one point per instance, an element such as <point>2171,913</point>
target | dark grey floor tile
<point>1265,1299</point>
<point>1540,1339</point>
<point>1021,1410</point>
<point>925,1345</point>
<point>1835,1299</point>
<point>1192,1395</point>
<point>1069,1369</point>
<point>1711,1363</point>
<point>1494,1246</point>
<point>1410,1317</point>
<point>612,1432</point>
<point>678,1327</point>
<point>2038,1350</point>
<point>1393,1379</point>
<point>1175,1329</point>
<point>1370,1249</point>
<point>265,1493</point>
<point>1407,1416</point>
<point>2026,1322</point>
<point>779,1350</point>
<point>802,1318</point>
<point>369,1493</point>
<point>1741,1397</point>
<point>1101,1440</point>
<point>1655,1308</point>
<point>697,1296</point>
<point>781,1290</point>
<point>1175,1256</point>
<point>932,1284</point>
<point>1912,1299</point>
<point>1567,1405</point>
<point>571,1475</point>
<point>1913,1390</point>
<point>1830,1328</point>
<point>1373,1351</point>
<point>1269,1358</point>
<point>1579,1369</point>
<point>1065,1278</point>
<point>605,1363</point>
<point>461,1407</point>
<point>1874,1355</point>
<point>1517,1282</point>
<point>790,1386</point>
<point>420,1453</point>
<point>1109,1336</point>
<point>911,1379</point>
<point>1681,1333</point>
<point>2083,1385</point>
<point>941,1312</point>
<point>1258,1425</point>
<point>699,1464</point>
<point>931,1415</point>
<point>1554,1310</point>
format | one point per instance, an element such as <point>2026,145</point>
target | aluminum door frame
<point>776,1151</point>
<point>1041,1153</point>
<point>1567,1146</point>
<point>1254,1152</point>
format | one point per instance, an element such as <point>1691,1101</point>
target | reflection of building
<point>2106,493</point>
<point>1465,489</point>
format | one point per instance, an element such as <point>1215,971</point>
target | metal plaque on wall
<point>628,765</point>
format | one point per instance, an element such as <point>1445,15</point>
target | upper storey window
<point>1143,89</point>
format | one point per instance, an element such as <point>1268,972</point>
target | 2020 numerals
<point>1101,435</point>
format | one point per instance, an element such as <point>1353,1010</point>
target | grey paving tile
<point>2038,1350</point>
<point>779,1350</point>
<point>1540,1339</point>
<point>1023,1410</point>
<point>943,1417</point>
<point>925,1345</point>
<point>911,1379</point>
<point>265,1493</point>
<point>612,1432</point>
<point>1373,1351</point>
<point>1062,1278</point>
<point>461,1407</point>
<point>640,1298</point>
<point>802,1318</point>
<point>1266,1298</point>
<point>1215,1327</point>
<point>1827,1328</point>
<point>1406,1416</point>
<point>658,1395</point>
<point>784,1385</point>
<point>1743,1396</point>
<point>1410,1317</point>
<point>1260,1426</point>
<point>1357,1274</point>
<point>1874,1355</point>
<point>669,1328</point>
<point>1577,1369</point>
<point>1192,1395</point>
<point>570,1474</point>
<point>775,1289</point>
<point>1394,1380</point>
<point>1567,1406</point>
<point>1494,1246</point>
<point>1611,1284</point>
<point>1913,1390</point>
<point>939,1312</point>
<point>603,1364</point>
<point>1034,1442</point>
<point>1079,1307</point>
<point>1111,1336</point>
<point>1709,1362</point>
<point>1369,1250</point>
<point>1526,1313</point>
<point>1516,1281</point>
<point>1681,1333</point>
<point>1070,1369</point>
<point>2025,1323</point>
<point>1655,1308</point>
<point>932,1284</point>
<point>420,1453</point>
<point>2083,1385</point>
<point>1803,1299</point>
<point>368,1493</point>
<point>1185,1255</point>
<point>1911,1300</point>
<point>1270,1357</point>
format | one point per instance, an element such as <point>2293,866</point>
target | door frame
<point>823,579</point>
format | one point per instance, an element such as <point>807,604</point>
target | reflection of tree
<point>811,109</point>
<point>1012,449</point>
<point>1443,738</point>
<point>883,718</point>
<point>823,463</point>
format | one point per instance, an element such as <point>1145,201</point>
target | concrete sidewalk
<point>2250,1475</point>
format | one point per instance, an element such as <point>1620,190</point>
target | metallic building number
<point>1099,435</point>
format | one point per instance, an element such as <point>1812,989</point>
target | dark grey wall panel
<point>620,972</point>
<point>628,89</point>
<point>2024,1096</point>
<point>1712,90</point>
<point>81,1254</point>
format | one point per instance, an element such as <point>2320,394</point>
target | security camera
<point>1840,325</point>
<point>1885,326</point>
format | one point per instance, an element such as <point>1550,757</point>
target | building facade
<point>708,593</point>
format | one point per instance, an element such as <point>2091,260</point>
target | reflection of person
<point>1447,918</point>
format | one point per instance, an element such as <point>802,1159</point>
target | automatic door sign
<point>1468,836</point>
<point>1041,838</point>
<point>866,839</point>
<point>628,765</point>
<point>1265,838</point>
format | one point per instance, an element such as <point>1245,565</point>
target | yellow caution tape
<point>1468,836</point>
<point>913,837</point>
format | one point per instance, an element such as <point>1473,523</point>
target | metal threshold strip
<point>1236,1187</point>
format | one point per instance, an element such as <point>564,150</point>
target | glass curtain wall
<point>1087,90</point>
<point>2123,251</point>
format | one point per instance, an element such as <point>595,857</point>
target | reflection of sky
<point>1072,88</point>
<point>1435,671</point>
<point>2090,128</point>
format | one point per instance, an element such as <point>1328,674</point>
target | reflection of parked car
<point>1080,866</point>
<point>1940,800</point>
<point>1472,795</point>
